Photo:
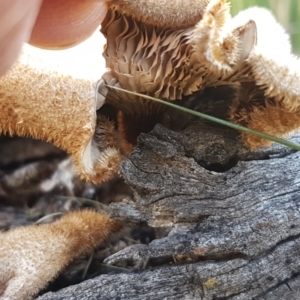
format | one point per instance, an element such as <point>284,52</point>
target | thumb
<point>16,22</point>
<point>62,24</point>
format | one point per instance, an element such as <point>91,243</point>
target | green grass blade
<point>216,120</point>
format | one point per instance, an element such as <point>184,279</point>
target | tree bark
<point>233,215</point>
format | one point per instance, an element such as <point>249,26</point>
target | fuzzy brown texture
<point>221,43</point>
<point>168,61</point>
<point>272,119</point>
<point>161,13</point>
<point>253,109</point>
<point>31,256</point>
<point>43,105</point>
<point>105,140</point>
<point>61,109</point>
<point>127,138</point>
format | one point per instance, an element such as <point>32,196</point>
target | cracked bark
<point>233,213</point>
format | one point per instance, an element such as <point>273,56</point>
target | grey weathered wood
<point>235,223</point>
<point>234,279</point>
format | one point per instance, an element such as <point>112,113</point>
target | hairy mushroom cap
<point>176,14</point>
<point>31,256</point>
<point>45,103</point>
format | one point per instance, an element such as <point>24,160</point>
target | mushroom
<point>171,50</point>
<point>45,103</point>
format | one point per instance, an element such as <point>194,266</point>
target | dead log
<point>233,215</point>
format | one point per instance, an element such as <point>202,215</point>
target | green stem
<point>216,120</point>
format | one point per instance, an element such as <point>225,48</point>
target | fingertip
<point>16,22</point>
<point>63,24</point>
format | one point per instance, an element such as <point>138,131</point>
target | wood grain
<point>233,215</point>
